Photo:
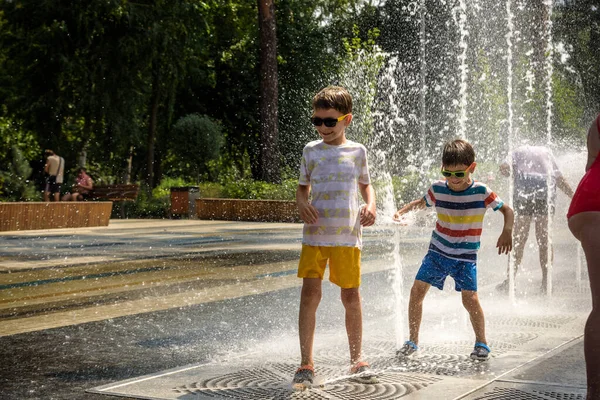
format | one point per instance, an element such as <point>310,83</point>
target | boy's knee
<point>470,299</point>
<point>310,295</point>
<point>350,297</point>
<point>418,291</point>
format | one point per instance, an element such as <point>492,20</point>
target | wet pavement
<point>89,312</point>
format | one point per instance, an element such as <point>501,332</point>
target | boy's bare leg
<point>415,308</point>
<point>470,300</point>
<point>586,228</point>
<point>309,302</point>
<point>352,304</point>
<point>46,196</point>
<point>541,235</point>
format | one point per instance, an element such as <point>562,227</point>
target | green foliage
<point>97,77</point>
<point>11,135</point>
<point>158,205</point>
<point>155,206</point>
<point>14,183</point>
<point>407,188</point>
<point>195,141</point>
<point>361,67</point>
<point>578,27</point>
<point>250,189</point>
<point>568,108</point>
<point>211,190</point>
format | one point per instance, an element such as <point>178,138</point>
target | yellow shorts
<point>344,264</point>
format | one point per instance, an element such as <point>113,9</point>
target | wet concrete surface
<point>90,307</point>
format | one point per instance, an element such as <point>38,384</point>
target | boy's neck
<point>338,141</point>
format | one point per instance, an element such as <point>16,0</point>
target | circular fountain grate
<point>273,384</point>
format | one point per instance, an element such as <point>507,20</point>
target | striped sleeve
<point>492,200</point>
<point>429,197</point>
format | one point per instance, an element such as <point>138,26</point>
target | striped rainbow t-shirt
<point>459,223</point>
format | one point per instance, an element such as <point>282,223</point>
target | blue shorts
<point>436,267</point>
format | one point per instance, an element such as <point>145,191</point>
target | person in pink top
<point>82,189</point>
<point>584,223</point>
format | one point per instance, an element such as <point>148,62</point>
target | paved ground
<point>216,304</point>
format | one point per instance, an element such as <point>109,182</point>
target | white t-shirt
<point>532,166</point>
<point>56,167</point>
<point>333,172</point>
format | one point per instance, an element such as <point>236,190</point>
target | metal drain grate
<point>527,390</point>
<point>563,396</point>
<point>271,384</point>
<point>547,322</point>
<point>519,394</point>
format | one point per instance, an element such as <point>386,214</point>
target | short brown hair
<point>335,97</point>
<point>458,152</point>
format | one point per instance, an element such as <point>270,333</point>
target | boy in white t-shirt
<point>335,170</point>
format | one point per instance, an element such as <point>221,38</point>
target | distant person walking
<point>584,222</point>
<point>54,169</point>
<point>82,189</point>
<point>531,167</point>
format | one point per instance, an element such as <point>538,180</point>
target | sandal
<point>361,372</point>
<point>408,349</point>
<point>481,352</point>
<point>304,377</point>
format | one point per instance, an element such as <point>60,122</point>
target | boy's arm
<point>369,211</point>
<point>418,204</point>
<point>504,243</point>
<point>307,211</point>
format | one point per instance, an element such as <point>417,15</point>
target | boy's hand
<point>504,244</point>
<point>308,213</point>
<point>398,217</point>
<point>367,215</point>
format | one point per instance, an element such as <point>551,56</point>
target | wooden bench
<point>116,192</point>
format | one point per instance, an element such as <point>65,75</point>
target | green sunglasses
<point>458,174</point>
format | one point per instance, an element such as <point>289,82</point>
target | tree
<point>269,168</point>
<point>578,26</point>
<point>200,141</point>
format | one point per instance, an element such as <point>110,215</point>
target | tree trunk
<point>152,126</point>
<point>127,175</point>
<point>87,134</point>
<point>269,151</point>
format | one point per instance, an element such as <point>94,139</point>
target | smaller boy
<point>335,170</point>
<point>461,204</point>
